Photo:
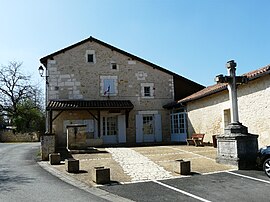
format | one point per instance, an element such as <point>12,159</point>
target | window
<point>148,124</point>
<point>108,85</point>
<point>90,56</point>
<point>114,66</point>
<point>227,117</point>
<point>147,90</point>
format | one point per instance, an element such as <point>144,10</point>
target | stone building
<point>208,110</point>
<point>118,96</point>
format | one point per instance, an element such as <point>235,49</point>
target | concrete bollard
<point>72,165</point>
<point>54,158</point>
<point>101,175</point>
<point>182,167</point>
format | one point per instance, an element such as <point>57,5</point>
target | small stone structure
<point>182,167</point>
<point>72,165</point>
<point>47,145</point>
<point>101,175</point>
<point>54,158</point>
<point>76,136</point>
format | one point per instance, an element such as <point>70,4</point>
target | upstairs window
<point>108,85</point>
<point>90,56</point>
<point>147,90</point>
<point>114,66</point>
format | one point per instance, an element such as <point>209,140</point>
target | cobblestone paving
<point>137,166</point>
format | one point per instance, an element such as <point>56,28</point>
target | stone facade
<point>210,115</point>
<point>72,77</point>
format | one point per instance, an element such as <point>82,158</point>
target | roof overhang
<point>58,105</point>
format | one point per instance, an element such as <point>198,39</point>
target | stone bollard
<point>54,158</point>
<point>182,167</point>
<point>72,165</point>
<point>101,175</point>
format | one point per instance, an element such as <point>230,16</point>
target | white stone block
<point>65,76</point>
<point>69,83</point>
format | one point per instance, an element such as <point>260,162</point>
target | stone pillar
<point>47,145</point>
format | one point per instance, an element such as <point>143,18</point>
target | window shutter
<point>112,86</point>
<point>122,129</point>
<point>139,128</point>
<point>107,83</point>
<point>158,128</point>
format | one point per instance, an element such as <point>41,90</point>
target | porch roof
<point>89,104</point>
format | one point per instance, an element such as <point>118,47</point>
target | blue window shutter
<point>112,88</point>
<point>139,128</point>
<point>121,128</point>
<point>107,83</point>
<point>158,128</point>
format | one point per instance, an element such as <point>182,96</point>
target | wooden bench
<point>196,139</point>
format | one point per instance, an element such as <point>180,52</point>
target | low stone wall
<point>9,136</point>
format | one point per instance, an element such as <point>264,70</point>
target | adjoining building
<point>208,110</point>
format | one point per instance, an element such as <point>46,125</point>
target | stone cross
<point>232,81</point>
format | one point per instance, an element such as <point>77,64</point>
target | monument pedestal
<point>237,147</point>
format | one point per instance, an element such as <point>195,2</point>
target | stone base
<point>72,165</point>
<point>54,158</point>
<point>237,147</point>
<point>101,175</point>
<point>182,167</point>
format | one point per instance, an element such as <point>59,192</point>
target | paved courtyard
<point>136,164</point>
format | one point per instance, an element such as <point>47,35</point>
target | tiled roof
<point>89,104</point>
<point>218,87</point>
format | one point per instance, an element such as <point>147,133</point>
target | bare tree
<point>14,88</point>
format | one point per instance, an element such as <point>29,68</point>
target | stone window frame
<point>114,66</point>
<point>90,52</point>
<point>145,94</point>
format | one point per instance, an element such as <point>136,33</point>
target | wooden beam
<point>93,115</point>
<point>57,115</point>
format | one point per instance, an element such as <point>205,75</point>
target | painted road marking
<point>181,191</point>
<point>248,177</point>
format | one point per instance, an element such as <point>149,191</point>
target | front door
<point>178,127</point>
<point>109,129</point>
<point>148,128</point>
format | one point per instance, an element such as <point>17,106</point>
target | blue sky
<point>194,38</point>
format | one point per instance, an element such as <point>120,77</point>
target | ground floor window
<point>148,124</point>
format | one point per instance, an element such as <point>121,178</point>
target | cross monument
<point>235,146</point>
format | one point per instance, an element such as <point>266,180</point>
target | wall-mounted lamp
<point>41,72</point>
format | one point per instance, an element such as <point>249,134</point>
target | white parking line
<point>248,177</point>
<point>181,191</point>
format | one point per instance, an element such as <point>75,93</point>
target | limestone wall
<point>207,116</point>
<point>9,136</point>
